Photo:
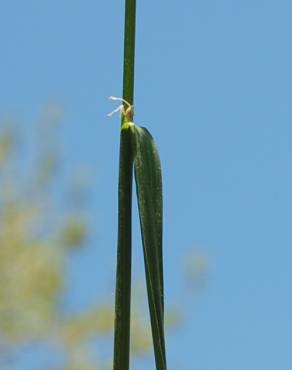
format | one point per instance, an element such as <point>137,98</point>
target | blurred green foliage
<point>38,233</point>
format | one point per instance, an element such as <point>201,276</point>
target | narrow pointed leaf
<point>149,193</point>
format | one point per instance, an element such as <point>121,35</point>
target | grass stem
<point>123,277</point>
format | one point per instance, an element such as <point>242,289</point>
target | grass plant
<point>138,154</point>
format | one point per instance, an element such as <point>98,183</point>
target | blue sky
<point>213,85</point>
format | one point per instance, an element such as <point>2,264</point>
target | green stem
<point>123,276</point>
<point>129,51</point>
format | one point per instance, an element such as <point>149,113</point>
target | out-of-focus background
<point>213,85</point>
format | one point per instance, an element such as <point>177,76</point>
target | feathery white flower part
<point>121,107</point>
<point>118,109</point>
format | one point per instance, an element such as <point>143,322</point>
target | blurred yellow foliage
<point>36,237</point>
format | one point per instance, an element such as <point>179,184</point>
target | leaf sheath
<point>123,275</point>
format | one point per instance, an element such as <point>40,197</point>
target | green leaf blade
<point>149,194</point>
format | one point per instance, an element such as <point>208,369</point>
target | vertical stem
<point>129,51</point>
<point>123,276</point>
